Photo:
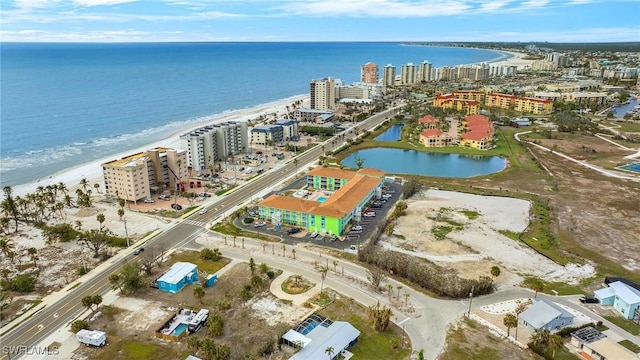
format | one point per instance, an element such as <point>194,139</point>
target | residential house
<point>316,334</point>
<point>623,297</point>
<point>606,349</point>
<point>545,314</point>
<point>179,275</point>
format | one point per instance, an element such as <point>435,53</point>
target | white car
<point>202,212</point>
<point>314,235</point>
<point>386,196</point>
<point>259,224</point>
<point>369,214</point>
<point>357,228</point>
<point>149,201</point>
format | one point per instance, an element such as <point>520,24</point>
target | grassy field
<point>193,257</point>
<point>624,126</point>
<point>371,344</point>
<point>631,346</point>
<point>229,229</point>
<point>628,325</point>
<point>128,349</point>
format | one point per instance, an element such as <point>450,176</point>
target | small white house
<point>545,314</point>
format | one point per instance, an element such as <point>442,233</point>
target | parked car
<point>138,251</point>
<point>386,196</point>
<point>176,206</point>
<point>293,231</point>
<point>259,224</point>
<point>314,235</point>
<point>589,300</point>
<point>369,214</point>
<point>252,214</point>
<point>357,228</point>
<point>164,197</point>
<point>260,171</point>
<point>149,201</point>
<point>202,212</point>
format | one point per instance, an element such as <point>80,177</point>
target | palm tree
<point>323,275</point>
<point>101,218</point>
<point>406,298</point>
<point>198,293</point>
<point>537,285</point>
<point>390,288</point>
<point>540,337</point>
<point>193,344</point>
<point>293,253</point>
<point>97,186</point>
<point>121,213</point>
<point>84,183</point>
<point>510,321</point>
<point>399,287</point>
<point>33,253</point>
<point>284,248</point>
<point>329,351</point>
<point>555,343</point>
<point>335,265</point>
<point>359,162</point>
<point>6,246</point>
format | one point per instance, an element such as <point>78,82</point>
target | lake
<point>391,134</point>
<point>400,161</point>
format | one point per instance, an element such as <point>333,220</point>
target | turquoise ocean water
<point>63,105</point>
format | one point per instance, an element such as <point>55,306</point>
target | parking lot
<point>351,238</point>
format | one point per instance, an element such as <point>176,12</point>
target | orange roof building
<point>479,134</point>
<point>344,194</point>
<point>428,122</point>
<point>435,138</point>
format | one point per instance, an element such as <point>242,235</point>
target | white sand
<point>517,60</point>
<point>92,171</point>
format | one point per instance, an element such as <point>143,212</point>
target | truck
<point>95,338</point>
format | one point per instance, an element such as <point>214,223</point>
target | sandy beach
<point>517,59</point>
<point>92,171</point>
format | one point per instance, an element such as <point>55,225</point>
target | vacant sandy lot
<point>472,242</point>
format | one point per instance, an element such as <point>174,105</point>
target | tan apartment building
<point>435,138</point>
<point>533,105</point>
<point>134,177</point>
<point>323,94</point>
<point>449,101</point>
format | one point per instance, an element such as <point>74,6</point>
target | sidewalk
<point>297,299</point>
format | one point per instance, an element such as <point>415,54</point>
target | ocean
<point>65,104</point>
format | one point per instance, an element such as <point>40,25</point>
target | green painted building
<point>339,197</point>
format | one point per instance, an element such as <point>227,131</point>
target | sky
<point>319,20</point>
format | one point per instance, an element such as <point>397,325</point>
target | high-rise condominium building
<point>323,94</point>
<point>425,71</point>
<point>369,73</point>
<point>409,74</point>
<point>134,177</point>
<point>216,142</point>
<point>389,75</point>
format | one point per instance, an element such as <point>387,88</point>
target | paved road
<point>32,331</point>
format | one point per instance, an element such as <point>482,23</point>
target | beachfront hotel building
<point>215,142</point>
<point>323,94</point>
<point>533,105</point>
<point>332,199</point>
<point>409,74</point>
<point>389,75</point>
<point>369,73</point>
<point>425,71</point>
<point>289,128</point>
<point>435,138</point>
<point>134,177</point>
<point>314,116</point>
<point>267,134</point>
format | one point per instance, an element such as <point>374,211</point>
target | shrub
<point>248,220</point>
<point>271,275</point>
<point>82,270</point>
<point>78,325</point>
<point>21,283</point>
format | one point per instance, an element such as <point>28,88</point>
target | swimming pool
<point>179,329</point>
<point>321,199</point>
<point>634,167</point>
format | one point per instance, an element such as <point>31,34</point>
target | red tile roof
<point>428,119</point>
<point>431,133</point>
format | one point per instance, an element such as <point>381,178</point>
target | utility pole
<point>470,301</point>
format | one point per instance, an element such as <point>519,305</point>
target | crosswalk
<point>195,223</point>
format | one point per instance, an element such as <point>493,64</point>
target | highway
<point>31,331</point>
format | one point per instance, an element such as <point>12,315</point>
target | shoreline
<point>92,171</point>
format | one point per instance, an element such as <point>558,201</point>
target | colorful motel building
<point>450,101</point>
<point>332,199</point>
<point>469,101</point>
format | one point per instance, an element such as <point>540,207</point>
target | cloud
<point>493,6</point>
<point>374,8</point>
<point>35,4</point>
<point>89,3</point>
